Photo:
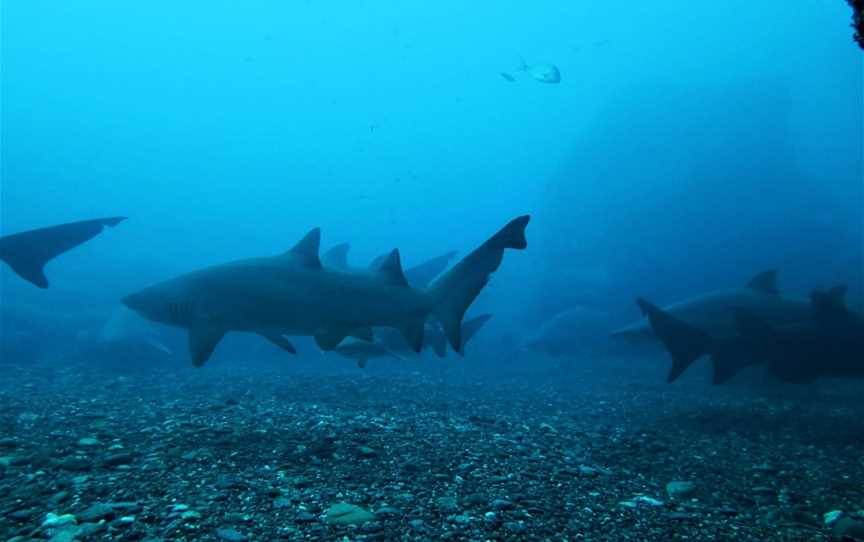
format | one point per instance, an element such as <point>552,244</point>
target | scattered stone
<point>230,535</point>
<point>190,515</point>
<point>88,441</point>
<point>680,490</point>
<point>366,452</point>
<point>117,459</point>
<point>53,520</point>
<point>515,527</point>
<point>96,512</point>
<point>829,518</point>
<point>501,504</point>
<point>305,517</point>
<point>347,514</point>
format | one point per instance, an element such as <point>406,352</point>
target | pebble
<point>680,489</point>
<point>55,520</point>
<point>515,527</point>
<point>230,535</point>
<point>88,441</point>
<point>96,512</point>
<point>502,504</point>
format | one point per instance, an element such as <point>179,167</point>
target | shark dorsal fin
<point>765,282</point>
<point>390,269</point>
<point>337,257</point>
<point>306,251</point>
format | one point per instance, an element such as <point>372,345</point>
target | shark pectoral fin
<point>413,330</point>
<point>158,345</point>
<point>330,335</point>
<point>765,282</point>
<point>280,341</point>
<point>393,354</point>
<point>202,341</point>
<point>364,333</point>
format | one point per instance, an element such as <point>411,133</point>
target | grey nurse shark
<point>293,294</point>
<point>714,312</point>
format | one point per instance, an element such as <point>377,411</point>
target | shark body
<point>294,294</point>
<point>831,344</point>
<point>713,312</point>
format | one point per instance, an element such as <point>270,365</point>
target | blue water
<point>687,147</point>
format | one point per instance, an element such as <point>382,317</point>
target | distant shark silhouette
<point>389,343</point>
<point>28,252</point>
<point>830,344</point>
<point>713,312</point>
<point>293,294</point>
<point>419,276</point>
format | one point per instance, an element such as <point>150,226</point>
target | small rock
<point>230,535</point>
<point>304,517</point>
<point>116,460</point>
<point>96,512</point>
<point>190,515</point>
<point>88,441</point>
<point>366,452</point>
<point>417,525</point>
<point>388,512</point>
<point>680,490</point>
<point>502,504</point>
<point>347,514</point>
<point>53,520</point>
<point>515,527</point>
<point>281,502</point>
<point>831,517</point>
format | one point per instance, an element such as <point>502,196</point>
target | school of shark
<point>381,311</point>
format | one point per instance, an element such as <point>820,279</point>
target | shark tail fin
<point>28,252</point>
<point>684,343</point>
<point>454,291</point>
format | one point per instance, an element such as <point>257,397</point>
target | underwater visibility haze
<point>372,270</point>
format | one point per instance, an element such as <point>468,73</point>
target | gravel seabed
<point>224,453</point>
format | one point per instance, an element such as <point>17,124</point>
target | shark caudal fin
<point>684,343</point>
<point>28,252</point>
<point>454,291</point>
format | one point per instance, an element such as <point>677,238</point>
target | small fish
<point>509,78</point>
<point>544,73</point>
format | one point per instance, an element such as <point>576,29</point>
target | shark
<point>831,344</point>
<point>713,313</point>
<point>389,343</point>
<point>294,294</point>
<point>27,252</point>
